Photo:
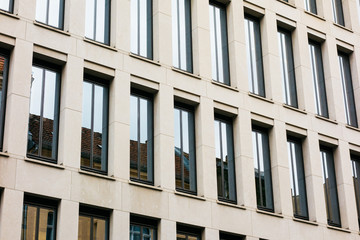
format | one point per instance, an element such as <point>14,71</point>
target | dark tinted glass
<point>141,232</point>
<point>338,12</point>
<point>92,228</point>
<point>4,61</point>
<point>355,162</point>
<point>310,5</point>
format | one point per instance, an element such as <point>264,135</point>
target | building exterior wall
<point>26,39</point>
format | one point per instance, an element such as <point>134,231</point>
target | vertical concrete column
<point>205,149</point>
<point>164,162</point>
<point>345,187</point>
<point>76,17</point>
<point>201,38</point>
<point>11,214</point>
<point>122,17</point>
<point>211,234</point>
<point>314,179</point>
<point>18,98</point>
<point>280,169</point>
<point>70,112</point>
<point>119,225</point>
<point>162,31</point>
<point>167,230</point>
<point>68,220</point>
<point>119,126</point>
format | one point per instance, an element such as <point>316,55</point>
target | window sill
<point>286,3</point>
<point>190,196</point>
<point>4,154</point>
<point>145,185</point>
<point>185,73</point>
<point>54,165</point>
<point>96,175</point>
<point>338,229</point>
<point>100,44</point>
<point>269,213</point>
<point>260,97</point>
<point>51,28</point>
<point>315,15</point>
<point>3,12</point>
<point>144,59</point>
<point>353,128</point>
<point>343,27</point>
<point>224,86</point>
<point>230,205</point>
<point>294,109</point>
<point>326,119</point>
<point>305,221</point>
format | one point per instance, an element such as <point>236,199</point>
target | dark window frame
<point>107,25</point>
<point>11,7</point>
<point>230,236</point>
<point>61,15</point>
<point>144,221</point>
<point>96,212</point>
<point>355,163</point>
<point>312,8</point>
<point>6,55</point>
<point>187,230</point>
<point>338,12</point>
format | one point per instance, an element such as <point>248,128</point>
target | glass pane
<point>98,128</point>
<point>41,11</point>
<point>86,124</point>
<point>218,159</point>
<point>84,228</point>
<point>180,236</point>
<point>100,21</point>
<point>46,224</point>
<point>135,232</point>
<point>99,229</point>
<point>134,27</point>
<point>145,139</point>
<point>178,149</point>
<point>29,222</point>
<point>3,83</point>
<point>54,13</point>
<point>134,136</point>
<point>6,5</point>
<point>90,19</point>
<point>338,12</point>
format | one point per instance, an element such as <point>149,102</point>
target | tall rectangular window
<point>330,186</point>
<point>141,28</point>
<point>219,43</point>
<point>185,159</point>
<point>50,12</point>
<point>225,161</point>
<point>338,13</point>
<point>4,65</point>
<point>7,5</point>
<point>355,162</point>
<point>39,218</point>
<point>287,67</point>
<point>181,35</point>
<point>97,20</point>
<point>93,223</point>
<point>262,166</point>
<point>254,56</point>
<point>44,113</point>
<point>143,228</point>
<point>94,132</point>
<point>297,178</point>
<point>141,138</point>
<point>348,91</point>
<point>318,79</point>
<point>310,6</point>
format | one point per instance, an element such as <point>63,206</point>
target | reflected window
<point>141,137</point>
<point>310,6</point>
<point>355,163</point>
<point>97,21</point>
<point>297,178</point>
<point>93,223</point>
<point>330,186</point>
<point>7,5</point>
<point>39,218</point>
<point>287,67</point>
<point>262,166</point>
<point>254,56</point>
<point>338,14</point>
<point>348,90</point>
<point>4,65</point>
<point>94,132</point>
<point>181,35</point>
<point>219,43</point>
<point>44,113</point>
<point>187,233</point>
<point>318,79</point>
<point>50,12</point>
<point>185,159</point>
<point>141,28</point>
<point>225,161</point>
<point>143,228</point>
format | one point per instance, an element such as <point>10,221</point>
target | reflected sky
<point>5,4</point>
<point>48,12</point>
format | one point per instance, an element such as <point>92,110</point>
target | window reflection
<point>355,163</point>
<point>310,5</point>
<point>6,5</point>
<point>338,14</point>
<point>97,20</point>
<point>3,86</point>
<point>92,228</point>
<point>140,232</point>
<point>50,12</point>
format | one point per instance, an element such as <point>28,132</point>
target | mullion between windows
<point>47,11</point>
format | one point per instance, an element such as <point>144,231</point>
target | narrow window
<point>141,138</point>
<point>94,132</point>
<point>143,228</point>
<point>297,178</point>
<point>4,65</point>
<point>338,14</point>
<point>97,20</point>
<point>355,162</point>
<point>185,159</point>
<point>7,5</point>
<point>230,236</point>
<point>287,67</point>
<point>181,35</point>
<point>262,166</point>
<point>348,91</point>
<point>219,44</point>
<point>254,56</point>
<point>50,12</point>
<point>318,79</point>
<point>310,6</point>
<point>187,232</point>
<point>141,28</point>
<point>39,218</point>
<point>44,113</point>
<point>93,223</point>
<point>330,187</point>
<point>225,161</point>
